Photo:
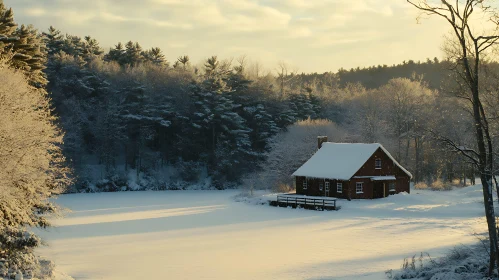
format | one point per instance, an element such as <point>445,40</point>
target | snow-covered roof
<point>340,160</point>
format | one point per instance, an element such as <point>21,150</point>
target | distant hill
<point>431,71</point>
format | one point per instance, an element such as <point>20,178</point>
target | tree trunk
<point>485,176</point>
<point>417,166</point>
<point>473,175</point>
<point>491,221</point>
<point>408,145</point>
<point>464,174</point>
<point>126,157</point>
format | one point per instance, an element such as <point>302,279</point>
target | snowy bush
<point>421,186</point>
<point>439,185</point>
<point>17,255</point>
<point>282,188</point>
<point>462,263</point>
<point>46,270</point>
<point>32,169</point>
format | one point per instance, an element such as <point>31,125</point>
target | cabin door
<point>378,190</point>
<point>326,190</point>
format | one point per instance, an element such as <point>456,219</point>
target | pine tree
<point>262,125</point>
<point>109,130</point>
<point>73,45</point>
<point>116,54</point>
<point>30,55</point>
<point>7,28</point>
<point>91,48</point>
<point>184,60</point>
<point>54,40</point>
<point>133,54</point>
<point>155,56</point>
<point>135,123</point>
<point>25,47</point>
<point>211,67</point>
<point>221,128</point>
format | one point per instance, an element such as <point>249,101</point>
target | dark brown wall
<point>402,184</point>
<point>313,188</point>
<point>388,168</point>
<point>368,189</point>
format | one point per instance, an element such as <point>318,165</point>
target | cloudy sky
<point>309,35</point>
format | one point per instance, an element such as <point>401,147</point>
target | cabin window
<point>339,187</point>
<point>305,184</point>
<point>359,187</point>
<point>378,163</point>
<point>391,187</point>
<point>321,187</point>
<point>327,186</point>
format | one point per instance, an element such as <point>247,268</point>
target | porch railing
<point>306,202</point>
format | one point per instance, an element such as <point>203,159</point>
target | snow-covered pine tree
<point>252,109</point>
<point>287,115</point>
<point>24,46</point>
<point>109,130</point>
<point>73,45</point>
<point>144,118</point>
<point>262,125</point>
<point>30,55</point>
<point>217,122</point>
<point>77,93</point>
<point>302,105</point>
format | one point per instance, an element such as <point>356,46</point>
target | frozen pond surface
<point>207,235</point>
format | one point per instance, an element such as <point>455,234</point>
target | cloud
<point>75,17</point>
<point>300,32</point>
<point>35,12</point>
<point>320,34</point>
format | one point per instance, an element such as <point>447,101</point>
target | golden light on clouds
<point>313,36</point>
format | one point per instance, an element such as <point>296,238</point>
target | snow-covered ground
<point>208,235</point>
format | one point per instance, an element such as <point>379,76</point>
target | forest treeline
<point>135,120</point>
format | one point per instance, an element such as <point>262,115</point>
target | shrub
<point>462,262</point>
<point>439,185</point>
<point>421,186</point>
<point>282,188</point>
<point>18,254</point>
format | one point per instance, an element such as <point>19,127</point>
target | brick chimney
<point>320,140</point>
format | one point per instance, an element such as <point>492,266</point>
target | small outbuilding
<point>351,171</point>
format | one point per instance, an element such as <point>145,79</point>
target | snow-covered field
<point>207,235</point>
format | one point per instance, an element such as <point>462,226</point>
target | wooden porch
<point>306,202</point>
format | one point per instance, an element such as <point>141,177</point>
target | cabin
<point>351,171</point>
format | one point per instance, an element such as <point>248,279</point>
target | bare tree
<point>256,70</point>
<point>284,76</point>
<point>471,48</point>
<point>242,62</point>
<point>291,148</point>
